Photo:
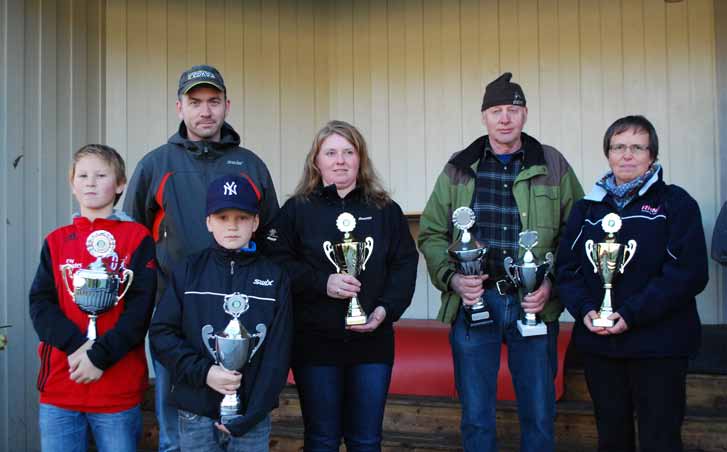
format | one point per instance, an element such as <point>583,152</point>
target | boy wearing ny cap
<point>513,183</point>
<point>196,296</point>
<point>167,193</point>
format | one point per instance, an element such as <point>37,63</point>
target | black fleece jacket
<point>388,280</point>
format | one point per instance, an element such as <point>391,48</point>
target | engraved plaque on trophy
<point>608,259</point>
<point>469,257</point>
<point>528,274</point>
<point>350,257</point>
<point>96,288</point>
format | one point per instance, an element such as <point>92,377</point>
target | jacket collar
<point>229,138</point>
<point>597,193</point>
<point>242,256</point>
<point>533,152</point>
<point>329,193</point>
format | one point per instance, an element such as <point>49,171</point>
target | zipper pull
<point>232,267</point>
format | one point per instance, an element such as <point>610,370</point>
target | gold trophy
<point>350,257</point>
<point>96,288</point>
<point>608,258</point>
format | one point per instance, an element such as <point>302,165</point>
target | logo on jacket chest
<point>263,282</point>
<point>646,208</point>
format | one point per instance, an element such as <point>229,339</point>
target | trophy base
<point>227,419</point>
<point>601,322</point>
<point>526,330</point>
<point>475,318</point>
<point>356,320</point>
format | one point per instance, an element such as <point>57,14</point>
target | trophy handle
<point>368,249</point>
<point>67,269</point>
<point>589,255</point>
<point>550,260</point>
<point>261,333</point>
<point>628,254</point>
<point>127,274</point>
<point>328,251</point>
<point>207,334</point>
<point>508,264</point>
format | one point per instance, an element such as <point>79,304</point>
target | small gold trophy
<point>608,258</point>
<point>350,257</point>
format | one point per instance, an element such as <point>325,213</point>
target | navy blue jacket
<point>195,298</point>
<point>656,293</point>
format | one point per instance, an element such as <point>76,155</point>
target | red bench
<point>423,361</point>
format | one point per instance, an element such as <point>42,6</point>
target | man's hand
<point>373,322</point>
<point>223,381</point>
<point>620,326</point>
<point>342,286</point>
<point>85,372</point>
<point>222,428</point>
<point>468,287</point>
<point>534,302</point>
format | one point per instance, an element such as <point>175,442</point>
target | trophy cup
<point>608,258</point>
<point>350,257</point>
<point>232,348</point>
<point>528,275</point>
<point>469,258</point>
<point>96,289</point>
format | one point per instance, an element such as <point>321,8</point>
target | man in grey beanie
<point>513,183</point>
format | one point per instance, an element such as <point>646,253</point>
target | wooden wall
<point>410,74</point>
<point>51,103</point>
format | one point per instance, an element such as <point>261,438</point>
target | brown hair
<point>105,153</point>
<point>367,179</point>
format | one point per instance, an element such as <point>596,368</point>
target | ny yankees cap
<point>233,192</point>
<point>200,75</point>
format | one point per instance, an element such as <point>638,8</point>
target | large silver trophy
<point>350,257</point>
<point>609,258</point>
<point>469,258</point>
<point>232,348</point>
<point>96,288</point>
<point>527,274</point>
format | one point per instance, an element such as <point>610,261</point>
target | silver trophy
<point>96,288</point>
<point>232,348</point>
<point>350,257</point>
<point>469,259</point>
<point>528,275</point>
<point>609,258</point>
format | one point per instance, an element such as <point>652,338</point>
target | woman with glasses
<point>635,356</point>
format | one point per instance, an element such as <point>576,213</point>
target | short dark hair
<point>636,123</point>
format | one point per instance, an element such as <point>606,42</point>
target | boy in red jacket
<point>93,373</point>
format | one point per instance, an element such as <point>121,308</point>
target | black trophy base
<point>477,316</point>
<point>227,419</point>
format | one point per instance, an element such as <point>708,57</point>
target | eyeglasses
<point>636,149</point>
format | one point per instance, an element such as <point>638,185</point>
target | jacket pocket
<point>545,211</point>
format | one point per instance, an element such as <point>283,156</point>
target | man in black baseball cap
<point>167,194</point>
<point>513,184</point>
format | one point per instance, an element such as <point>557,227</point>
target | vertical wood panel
<point>410,74</point>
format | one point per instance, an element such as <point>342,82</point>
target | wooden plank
<point>400,163</point>
<point>528,74</point>
<point>116,80</point>
<point>215,33</point>
<point>362,82</point>
<point>177,62</point>
<point>197,32</point>
<point>271,63</point>
<point>251,99</point>
<point>324,62</point>
<point>471,72</point>
<point>95,86</point>
<point>230,50</point>
<point>632,47</point>
<point>509,41</point>
<point>569,110</point>
<point>591,95</point>
<point>159,92</point>
<point>379,133</point>
<point>139,64</point>
<point>340,71</point>
<point>613,67</point>
<point>549,67</point>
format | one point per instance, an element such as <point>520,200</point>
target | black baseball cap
<point>233,192</point>
<point>200,75</point>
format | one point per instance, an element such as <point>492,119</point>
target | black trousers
<point>652,388</point>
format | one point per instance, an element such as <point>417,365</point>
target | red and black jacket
<point>168,192</point>
<point>61,325</point>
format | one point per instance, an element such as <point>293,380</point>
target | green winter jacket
<point>545,191</point>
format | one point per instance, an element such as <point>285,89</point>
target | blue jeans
<point>64,430</point>
<point>343,401</point>
<point>533,364</point>
<point>199,434</point>
<point>165,412</point>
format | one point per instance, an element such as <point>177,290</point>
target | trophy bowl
<point>96,288</point>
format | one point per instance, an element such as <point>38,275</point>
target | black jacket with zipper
<point>194,298</point>
<point>168,192</point>
<point>388,280</point>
